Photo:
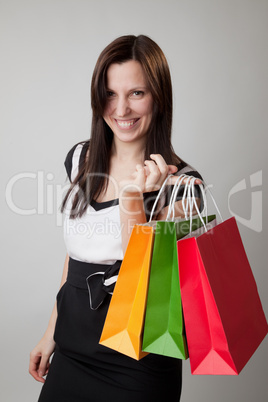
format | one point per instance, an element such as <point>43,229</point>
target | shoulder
<point>184,168</point>
<point>75,158</point>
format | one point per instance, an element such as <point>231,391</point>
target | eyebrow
<point>130,90</point>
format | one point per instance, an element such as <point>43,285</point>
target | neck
<point>128,151</point>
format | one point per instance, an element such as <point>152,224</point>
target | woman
<point>114,180</point>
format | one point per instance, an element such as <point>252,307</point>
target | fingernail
<point>40,373</point>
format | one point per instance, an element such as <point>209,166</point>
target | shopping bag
<point>224,319</point>
<point>164,327</point>
<point>123,326</point>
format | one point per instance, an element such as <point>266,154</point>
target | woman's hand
<point>39,358</point>
<point>150,176</point>
<point>156,171</point>
<point>146,178</point>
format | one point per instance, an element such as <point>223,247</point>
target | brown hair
<point>144,50</point>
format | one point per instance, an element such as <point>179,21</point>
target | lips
<point>126,124</point>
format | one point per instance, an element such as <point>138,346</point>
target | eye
<point>110,94</point>
<point>138,93</point>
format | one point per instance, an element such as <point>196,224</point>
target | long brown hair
<point>92,178</point>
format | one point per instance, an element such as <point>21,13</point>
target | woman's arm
<point>132,212</point>
<point>40,355</point>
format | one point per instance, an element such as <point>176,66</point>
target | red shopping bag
<point>224,319</point>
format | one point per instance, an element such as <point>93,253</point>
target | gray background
<point>217,51</point>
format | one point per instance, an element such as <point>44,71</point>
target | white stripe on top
<point>75,161</point>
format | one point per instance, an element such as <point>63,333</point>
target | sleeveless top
<point>96,236</point>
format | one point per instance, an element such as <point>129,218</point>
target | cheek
<point>146,108</point>
<point>106,114</point>
<point>149,111</point>
<point>149,106</point>
<point>108,109</point>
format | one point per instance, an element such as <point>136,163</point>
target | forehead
<point>127,74</point>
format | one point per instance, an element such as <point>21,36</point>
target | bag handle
<point>194,204</point>
<point>158,196</point>
<point>213,200</point>
<point>186,196</point>
<point>189,200</point>
<point>180,179</point>
<point>204,190</point>
<point>177,185</point>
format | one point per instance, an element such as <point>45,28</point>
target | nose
<point>122,107</point>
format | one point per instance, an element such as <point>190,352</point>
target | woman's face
<point>129,106</point>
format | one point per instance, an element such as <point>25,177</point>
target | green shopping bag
<point>164,326</point>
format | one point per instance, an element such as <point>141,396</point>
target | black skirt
<point>82,370</point>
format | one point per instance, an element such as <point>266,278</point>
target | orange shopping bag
<point>123,327</point>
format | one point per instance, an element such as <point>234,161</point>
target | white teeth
<point>125,124</point>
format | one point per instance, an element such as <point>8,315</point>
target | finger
<point>34,368</point>
<point>161,163</point>
<point>163,167</point>
<point>140,170</point>
<point>137,184</point>
<point>173,179</point>
<point>146,170</point>
<point>172,169</point>
<point>153,169</point>
<point>44,364</point>
<point>36,376</point>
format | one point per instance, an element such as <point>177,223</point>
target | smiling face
<point>129,106</point>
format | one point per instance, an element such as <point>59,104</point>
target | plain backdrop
<point>218,56</point>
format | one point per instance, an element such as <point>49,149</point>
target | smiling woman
<point>151,71</point>
<point>114,179</point>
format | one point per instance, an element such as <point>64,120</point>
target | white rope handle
<point>188,200</point>
<point>187,197</point>
<point>204,189</point>
<point>158,196</point>
<point>213,200</point>
<point>204,198</point>
<point>171,207</point>
<point>194,203</point>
